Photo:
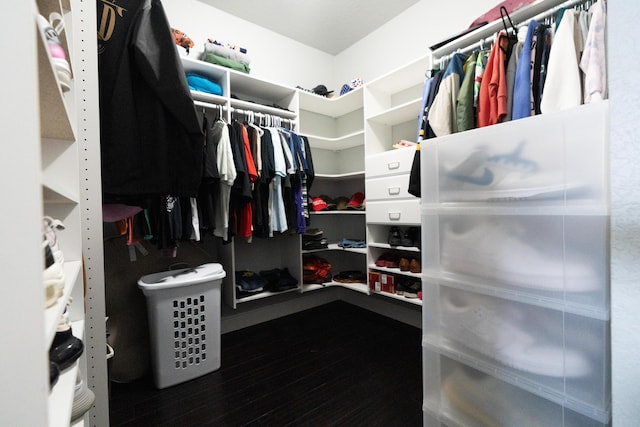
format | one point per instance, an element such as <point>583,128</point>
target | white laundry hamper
<point>184,322</point>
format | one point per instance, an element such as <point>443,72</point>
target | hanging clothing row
<point>255,183</point>
<point>557,63</point>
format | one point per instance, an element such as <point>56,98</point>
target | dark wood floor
<point>334,365</point>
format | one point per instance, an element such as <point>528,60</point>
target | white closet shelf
<point>252,106</point>
<point>208,98</point>
<point>345,212</point>
<point>396,271</point>
<point>351,140</point>
<point>246,84</point>
<point>335,247</point>
<point>340,176</point>
<point>211,71</point>
<point>415,301</point>
<point>399,114</point>
<point>399,248</point>
<point>56,193</point>
<point>265,294</point>
<point>332,107</point>
<point>358,287</point>
<point>402,78</point>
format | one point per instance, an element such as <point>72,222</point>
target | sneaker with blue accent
<point>501,177</point>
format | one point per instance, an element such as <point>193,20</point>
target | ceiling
<point>328,25</point>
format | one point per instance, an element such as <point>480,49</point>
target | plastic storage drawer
<point>550,160</point>
<point>557,355</point>
<point>464,396</point>
<point>394,162</point>
<point>184,319</point>
<point>394,212</point>
<point>557,259</point>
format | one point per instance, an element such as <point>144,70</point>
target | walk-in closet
<point>327,213</point>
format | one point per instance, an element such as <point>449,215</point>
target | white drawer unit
<point>389,162</point>
<point>388,188</point>
<point>394,212</point>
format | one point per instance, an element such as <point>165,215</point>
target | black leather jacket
<point>150,136</point>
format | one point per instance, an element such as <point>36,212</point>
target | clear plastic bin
<point>184,322</point>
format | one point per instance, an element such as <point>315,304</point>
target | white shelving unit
<point>392,106</point>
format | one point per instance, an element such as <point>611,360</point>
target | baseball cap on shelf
<point>321,90</point>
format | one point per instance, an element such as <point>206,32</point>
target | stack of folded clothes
<point>226,55</point>
<point>313,239</point>
<point>201,83</point>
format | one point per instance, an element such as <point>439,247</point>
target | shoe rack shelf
<point>392,103</point>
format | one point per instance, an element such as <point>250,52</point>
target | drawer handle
<point>394,191</point>
<point>394,216</point>
<point>393,165</point>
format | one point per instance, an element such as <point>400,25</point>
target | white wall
<point>623,18</point>
<point>405,38</point>
<point>289,62</point>
<point>273,57</point>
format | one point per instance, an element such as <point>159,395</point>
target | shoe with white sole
<point>505,333</point>
<point>498,251</point>
<point>49,228</point>
<point>53,278</point>
<point>56,51</point>
<point>502,177</point>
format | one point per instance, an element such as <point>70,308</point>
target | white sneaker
<point>496,251</point>
<point>49,227</point>
<point>487,401</point>
<point>504,333</point>
<point>482,176</point>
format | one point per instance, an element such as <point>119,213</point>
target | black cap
<point>321,90</point>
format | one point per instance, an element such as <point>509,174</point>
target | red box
<point>381,282</point>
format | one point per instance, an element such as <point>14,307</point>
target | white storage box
<point>559,356</point>
<point>464,396</point>
<point>184,321</point>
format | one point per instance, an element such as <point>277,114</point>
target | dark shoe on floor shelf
<point>413,234</point>
<point>395,238</point>
<point>413,289</point>
<point>402,285</point>
<point>65,349</point>
<point>350,276</point>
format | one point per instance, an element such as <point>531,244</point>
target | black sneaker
<point>395,238</point>
<point>413,289</point>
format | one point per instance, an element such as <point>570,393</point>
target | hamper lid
<point>184,277</point>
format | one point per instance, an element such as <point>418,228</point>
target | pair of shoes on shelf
<point>350,276</point>
<point>409,237</point>
<point>409,288</point>
<point>65,348</point>
<point>388,260</point>
<point>315,269</point>
<point>278,280</point>
<point>410,264</point>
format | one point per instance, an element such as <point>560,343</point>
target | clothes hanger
<point>514,30</point>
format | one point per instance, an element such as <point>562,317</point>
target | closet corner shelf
<point>345,212</point>
<point>399,114</point>
<point>208,98</point>
<point>332,107</point>
<point>252,106</point>
<point>201,67</point>
<point>358,287</point>
<point>243,83</point>
<point>351,140</point>
<point>335,247</point>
